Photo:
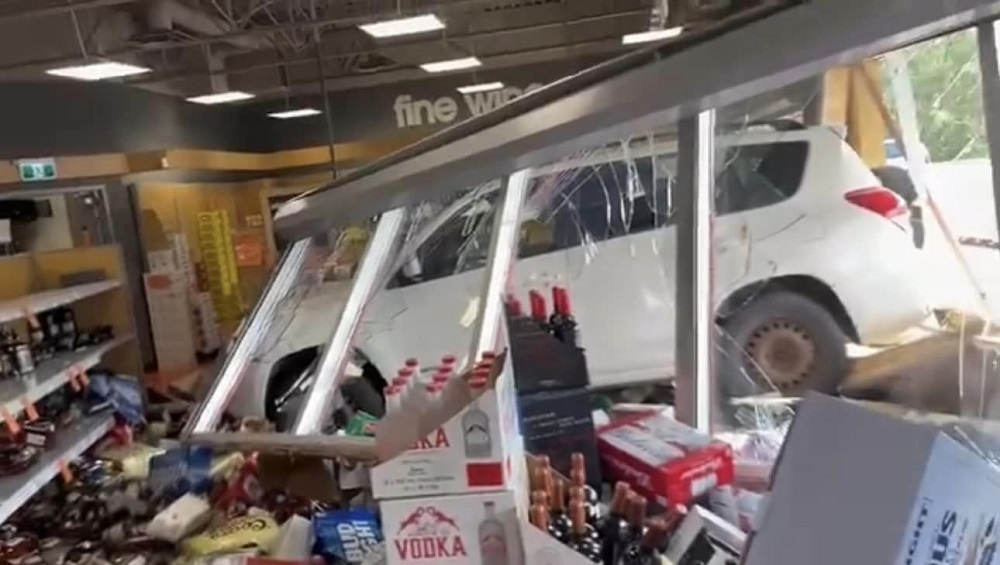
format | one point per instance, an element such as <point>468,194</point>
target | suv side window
<point>461,244</point>
<point>756,176</point>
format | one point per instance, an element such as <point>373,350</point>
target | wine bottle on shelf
<point>541,463</point>
<point>583,538</point>
<point>636,517</point>
<point>538,514</point>
<point>563,324</point>
<point>614,527</point>
<point>538,309</point>
<point>578,476</point>
<point>646,551</point>
<point>559,520</point>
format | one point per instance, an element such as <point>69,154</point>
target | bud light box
<point>853,485</point>
<point>470,529</point>
<point>477,448</point>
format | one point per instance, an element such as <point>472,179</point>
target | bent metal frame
<point>576,113</point>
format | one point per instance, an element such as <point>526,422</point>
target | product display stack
<point>457,495</point>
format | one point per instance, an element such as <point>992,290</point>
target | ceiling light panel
<point>403,26</point>
<point>484,87</point>
<point>221,97</point>
<point>451,65</point>
<point>651,35</point>
<point>98,71</point>
<point>297,113</point>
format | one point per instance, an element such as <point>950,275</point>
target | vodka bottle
<point>562,322</point>
<point>514,308</point>
<point>636,517</point>
<point>492,538</point>
<point>538,514</point>
<point>539,311</point>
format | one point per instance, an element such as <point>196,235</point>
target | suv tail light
<point>878,199</point>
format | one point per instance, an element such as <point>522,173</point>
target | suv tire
<point>780,342</point>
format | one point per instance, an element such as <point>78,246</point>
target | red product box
<point>664,460</point>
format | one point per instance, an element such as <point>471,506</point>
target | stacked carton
<point>206,323</point>
<point>171,321</point>
<point>458,496</point>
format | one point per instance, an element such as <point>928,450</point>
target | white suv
<point>811,251</point>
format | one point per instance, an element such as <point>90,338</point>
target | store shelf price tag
<point>29,409</point>
<point>74,382</point>
<point>10,420</point>
<point>65,472</point>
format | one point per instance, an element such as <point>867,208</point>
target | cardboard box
<point>542,362</point>
<point>477,449</point>
<point>469,529</point>
<point>856,486</point>
<point>558,424</point>
<point>664,460</point>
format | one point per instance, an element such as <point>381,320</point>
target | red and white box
<point>664,460</point>
<point>469,529</point>
<point>478,449</point>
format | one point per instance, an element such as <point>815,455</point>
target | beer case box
<point>853,485</point>
<point>478,448</point>
<point>666,461</point>
<point>467,529</point>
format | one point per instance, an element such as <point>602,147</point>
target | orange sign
<point>250,249</point>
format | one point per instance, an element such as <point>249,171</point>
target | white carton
<point>856,486</point>
<point>479,449</point>
<point>469,529</point>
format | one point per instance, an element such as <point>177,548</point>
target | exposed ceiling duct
<point>166,15</point>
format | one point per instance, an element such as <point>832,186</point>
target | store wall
<point>70,118</point>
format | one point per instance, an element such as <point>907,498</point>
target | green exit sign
<point>34,170</point>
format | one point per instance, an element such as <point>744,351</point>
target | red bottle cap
<point>514,305</point>
<point>448,360</point>
<point>412,362</point>
<point>538,309</point>
<point>489,356</point>
<point>405,372</point>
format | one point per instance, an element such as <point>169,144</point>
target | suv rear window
<point>755,176</point>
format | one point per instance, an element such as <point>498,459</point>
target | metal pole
<point>694,325</point>
<point>990,70</point>
<point>329,373</point>
<point>208,412</point>
<point>503,251</point>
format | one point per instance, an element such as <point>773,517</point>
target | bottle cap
<point>449,359</point>
<point>405,372</point>
<point>489,355</point>
<point>412,362</point>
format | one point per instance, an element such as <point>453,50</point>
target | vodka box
<point>478,448</point>
<point>867,487</point>
<point>467,529</point>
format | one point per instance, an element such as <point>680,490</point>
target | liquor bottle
<point>578,476</point>
<point>563,323</point>
<point>559,519</point>
<point>583,538</point>
<point>22,354</point>
<point>514,309</point>
<point>672,521</point>
<point>614,528</point>
<point>492,538</point>
<point>645,551</point>
<point>68,329</point>
<point>538,309</point>
<point>52,328</point>
<point>636,517</point>
<point>538,514</point>
<point>476,428</point>
<point>538,468</point>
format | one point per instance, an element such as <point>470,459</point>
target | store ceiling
<point>270,48</point>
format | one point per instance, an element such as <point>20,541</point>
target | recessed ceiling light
<point>98,71</point>
<point>221,97</point>
<point>298,113</point>
<point>451,65</point>
<point>403,26</point>
<point>485,87</point>
<point>651,35</point>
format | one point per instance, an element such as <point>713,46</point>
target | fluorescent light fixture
<point>403,26</point>
<point>298,113</point>
<point>451,65</point>
<point>221,97</point>
<point>651,35</point>
<point>98,71</point>
<point>485,87</point>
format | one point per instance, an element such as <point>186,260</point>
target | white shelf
<point>38,302</point>
<point>53,373</point>
<point>70,443</point>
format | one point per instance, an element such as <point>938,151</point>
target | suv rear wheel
<point>781,342</point>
